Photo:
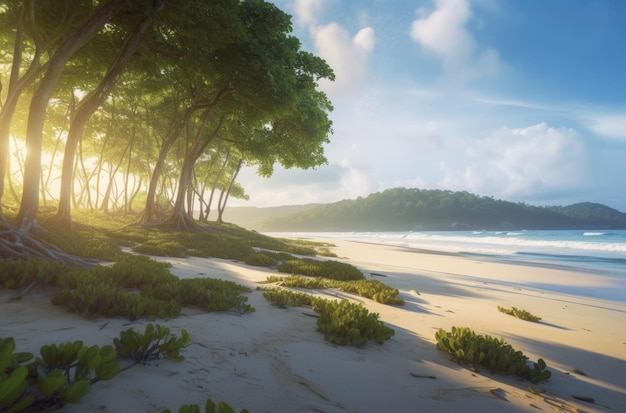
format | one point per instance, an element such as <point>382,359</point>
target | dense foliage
<point>405,209</point>
<point>372,289</point>
<point>111,291</point>
<point>156,341</point>
<point>342,322</point>
<point>65,372</point>
<point>152,106</point>
<point>321,268</point>
<point>474,350</point>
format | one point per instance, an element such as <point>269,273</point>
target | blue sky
<point>522,100</point>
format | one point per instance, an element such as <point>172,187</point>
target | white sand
<point>273,360</point>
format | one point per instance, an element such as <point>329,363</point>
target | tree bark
<point>222,206</point>
<point>86,109</point>
<point>27,216</point>
<point>14,89</point>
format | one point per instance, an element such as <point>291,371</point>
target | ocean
<point>601,252</point>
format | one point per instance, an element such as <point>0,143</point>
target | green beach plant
<point>476,351</point>
<point>209,407</point>
<point>63,374</point>
<point>521,314</point>
<point>137,286</point>
<point>347,323</point>
<point>283,298</point>
<point>321,268</point>
<point>342,322</point>
<point>155,341</point>
<point>372,289</point>
<point>13,378</point>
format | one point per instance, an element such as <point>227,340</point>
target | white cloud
<point>608,125</point>
<point>521,162</point>
<point>307,11</point>
<point>348,56</point>
<point>443,33</point>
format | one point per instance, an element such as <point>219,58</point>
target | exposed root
<point>15,244</point>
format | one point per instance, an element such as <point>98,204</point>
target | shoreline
<point>274,360</point>
<point>616,291</point>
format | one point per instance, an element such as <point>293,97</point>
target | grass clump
<point>342,322</point>
<point>286,298</point>
<point>372,289</point>
<point>316,268</point>
<point>134,287</point>
<point>521,314</point>
<point>475,351</point>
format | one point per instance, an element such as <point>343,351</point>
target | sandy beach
<point>274,360</point>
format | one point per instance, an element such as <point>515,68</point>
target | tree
<point>27,216</point>
<point>133,42</point>
<point>261,77</point>
<point>38,27</point>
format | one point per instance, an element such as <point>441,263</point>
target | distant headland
<point>407,209</point>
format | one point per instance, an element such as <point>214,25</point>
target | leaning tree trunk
<point>222,205</point>
<point>27,216</point>
<point>15,87</point>
<point>87,108</point>
<point>148,214</point>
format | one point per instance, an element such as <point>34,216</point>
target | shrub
<point>343,322</point>
<point>103,291</point>
<point>316,268</point>
<point>372,289</point>
<point>466,347</point>
<point>17,274</point>
<point>109,300</point>
<point>522,314</point>
<point>281,297</point>
<point>214,295</point>
<point>63,374</point>
<point>154,342</point>
<point>261,259</point>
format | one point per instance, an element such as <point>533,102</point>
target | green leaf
<point>189,408</point>
<point>14,387</point>
<point>22,404</point>
<point>222,407</point>
<point>108,370</point>
<point>47,386</point>
<point>75,392</point>
<point>542,364</point>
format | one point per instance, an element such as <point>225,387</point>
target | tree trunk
<point>216,182</point>
<point>14,89</point>
<point>221,206</point>
<point>87,108</point>
<point>107,196</point>
<point>27,216</point>
<point>180,219</point>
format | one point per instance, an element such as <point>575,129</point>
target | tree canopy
<point>139,105</point>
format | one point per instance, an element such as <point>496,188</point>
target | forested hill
<point>402,209</point>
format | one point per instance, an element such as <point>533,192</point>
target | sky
<point>518,100</point>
